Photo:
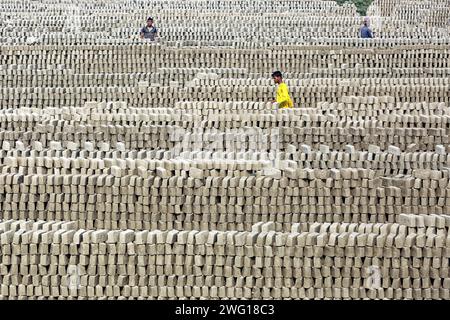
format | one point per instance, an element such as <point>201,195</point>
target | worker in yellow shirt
<point>283,99</point>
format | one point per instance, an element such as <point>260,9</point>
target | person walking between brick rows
<point>283,99</point>
<point>365,32</point>
<point>149,31</point>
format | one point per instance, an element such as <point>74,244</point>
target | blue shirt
<point>366,32</point>
<point>149,33</point>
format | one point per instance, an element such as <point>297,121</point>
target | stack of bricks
<point>54,260</point>
<point>297,59</point>
<point>305,93</point>
<point>207,20</point>
<point>429,13</point>
<point>299,21</point>
<point>358,121</point>
<point>216,193</point>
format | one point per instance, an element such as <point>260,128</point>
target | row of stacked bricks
<point>405,260</point>
<point>138,88</point>
<point>218,23</point>
<point>408,126</point>
<point>215,194</point>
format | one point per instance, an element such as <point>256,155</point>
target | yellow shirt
<point>283,98</point>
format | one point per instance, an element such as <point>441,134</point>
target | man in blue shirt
<point>365,31</point>
<point>149,31</point>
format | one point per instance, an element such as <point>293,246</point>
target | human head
<point>277,76</point>
<point>149,21</point>
<point>366,21</point>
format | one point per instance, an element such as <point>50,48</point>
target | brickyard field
<point>157,158</point>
